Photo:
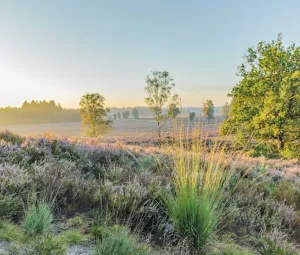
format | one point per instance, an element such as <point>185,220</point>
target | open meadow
<point>74,195</point>
<point>130,128</point>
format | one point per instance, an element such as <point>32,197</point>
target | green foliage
<point>173,197</point>
<point>173,108</point>
<point>11,232</point>
<point>37,112</point>
<point>194,216</point>
<point>196,209</point>
<point>145,163</point>
<point>38,219</point>
<point>72,237</point>
<point>267,246</point>
<point>208,109</point>
<point>10,205</point>
<point>119,115</point>
<point>267,150</point>
<point>286,191</point>
<point>11,138</point>
<point>266,102</point>
<point>75,223</point>
<point>159,86</point>
<point>94,115</point>
<point>229,247</point>
<point>192,116</point>
<point>135,114</point>
<point>120,243</point>
<point>49,245</point>
<point>125,115</point>
<point>225,110</point>
<point>291,150</point>
<point>102,232</point>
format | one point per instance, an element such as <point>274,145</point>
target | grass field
<point>121,128</point>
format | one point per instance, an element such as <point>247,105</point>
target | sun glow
<point>15,86</point>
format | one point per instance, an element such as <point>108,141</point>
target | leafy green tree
<point>94,115</point>
<point>158,88</point>
<point>173,108</point>
<point>192,116</point>
<point>208,109</point>
<point>266,101</point>
<point>119,115</point>
<point>125,115</point>
<point>115,116</point>
<point>225,110</point>
<point>135,114</point>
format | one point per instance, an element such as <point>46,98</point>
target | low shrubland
<point>62,194</point>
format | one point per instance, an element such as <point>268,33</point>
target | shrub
<point>11,138</point>
<point>287,192</point>
<point>38,219</point>
<point>253,212</point>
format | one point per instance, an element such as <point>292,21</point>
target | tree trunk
<point>281,143</point>
<point>158,130</point>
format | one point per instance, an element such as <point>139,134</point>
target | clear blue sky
<point>63,49</point>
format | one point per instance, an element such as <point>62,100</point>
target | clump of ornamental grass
<point>120,243</point>
<point>200,179</point>
<point>38,219</point>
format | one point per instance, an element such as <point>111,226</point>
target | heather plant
<point>253,212</point>
<point>275,243</point>
<point>11,138</point>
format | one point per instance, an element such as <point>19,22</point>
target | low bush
<point>11,138</point>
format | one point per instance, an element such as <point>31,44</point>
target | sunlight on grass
<point>199,182</point>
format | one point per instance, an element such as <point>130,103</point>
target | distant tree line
<point>37,112</point>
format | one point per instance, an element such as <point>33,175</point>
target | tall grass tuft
<point>120,243</point>
<point>38,219</point>
<point>200,178</point>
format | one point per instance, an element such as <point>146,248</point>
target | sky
<point>63,49</point>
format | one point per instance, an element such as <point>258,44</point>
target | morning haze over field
<point>149,127</point>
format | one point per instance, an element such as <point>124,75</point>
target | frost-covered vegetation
<point>77,196</point>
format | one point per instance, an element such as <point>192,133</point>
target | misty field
<point>120,128</point>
